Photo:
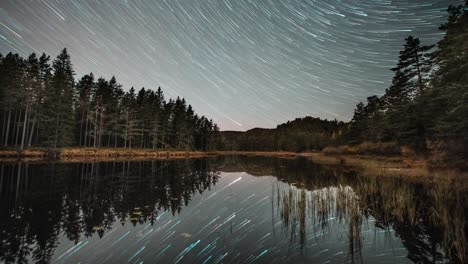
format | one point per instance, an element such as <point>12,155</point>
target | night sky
<point>243,63</point>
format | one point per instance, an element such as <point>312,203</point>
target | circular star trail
<point>243,63</point>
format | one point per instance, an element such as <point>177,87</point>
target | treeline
<point>42,105</point>
<point>301,134</point>
<point>426,106</point>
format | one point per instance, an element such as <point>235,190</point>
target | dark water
<point>226,210</point>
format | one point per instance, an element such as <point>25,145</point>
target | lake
<point>227,209</point>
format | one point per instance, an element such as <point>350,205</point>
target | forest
<point>301,134</point>
<point>424,109</point>
<point>43,106</point>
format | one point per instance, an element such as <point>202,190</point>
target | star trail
<point>245,63</point>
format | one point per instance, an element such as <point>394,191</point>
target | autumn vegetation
<point>422,113</point>
<point>43,106</point>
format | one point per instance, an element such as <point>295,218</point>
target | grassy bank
<point>70,154</point>
<point>97,154</point>
<point>397,164</point>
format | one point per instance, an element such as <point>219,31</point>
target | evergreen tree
<point>356,127</point>
<point>59,103</point>
<point>415,64</point>
<point>45,79</point>
<point>448,97</point>
<point>40,105</point>
<point>85,89</point>
<point>114,112</point>
<point>13,67</point>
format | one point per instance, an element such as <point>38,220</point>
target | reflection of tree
<point>429,216</point>
<point>86,199</point>
<point>38,202</point>
<point>430,219</point>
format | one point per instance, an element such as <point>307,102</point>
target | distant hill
<point>300,134</point>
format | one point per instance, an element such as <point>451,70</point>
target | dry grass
<point>281,154</point>
<point>371,164</point>
<point>97,154</point>
<point>367,148</point>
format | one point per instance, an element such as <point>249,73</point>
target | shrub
<point>332,150</point>
<point>407,152</point>
<point>380,148</point>
<point>349,149</point>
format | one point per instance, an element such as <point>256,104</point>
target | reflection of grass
<point>439,202</point>
<point>436,206</point>
<point>323,206</point>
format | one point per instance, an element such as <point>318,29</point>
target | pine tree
<point>155,119</point>
<point>33,91</point>
<point>45,79</point>
<point>85,89</point>
<point>356,126</point>
<point>130,120</point>
<point>448,98</point>
<point>16,95</point>
<point>415,64</point>
<point>41,106</point>
<point>60,99</point>
<point>114,111</point>
<point>396,102</point>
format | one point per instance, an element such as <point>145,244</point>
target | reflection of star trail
<point>185,251</point>
<point>231,230</point>
<point>257,63</point>
<point>122,237</point>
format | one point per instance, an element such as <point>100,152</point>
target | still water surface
<point>231,209</point>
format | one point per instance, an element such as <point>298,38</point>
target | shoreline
<point>370,165</point>
<point>109,154</point>
<point>95,154</point>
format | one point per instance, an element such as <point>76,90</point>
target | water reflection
<point>429,215</point>
<point>40,202</point>
<point>224,209</point>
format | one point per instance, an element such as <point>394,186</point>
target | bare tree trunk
<point>101,120</point>
<point>7,127</point>
<point>130,131</point>
<point>32,131</point>
<point>81,126</point>
<point>95,127</point>
<point>86,129</point>
<point>142,134</point>
<point>163,144</point>
<point>57,122</point>
<point>56,130</point>
<point>155,139</point>
<point>25,122</point>
<point>115,139</point>
<point>109,137</point>
<point>16,125</point>
<point>38,128</point>
<point>126,132</point>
